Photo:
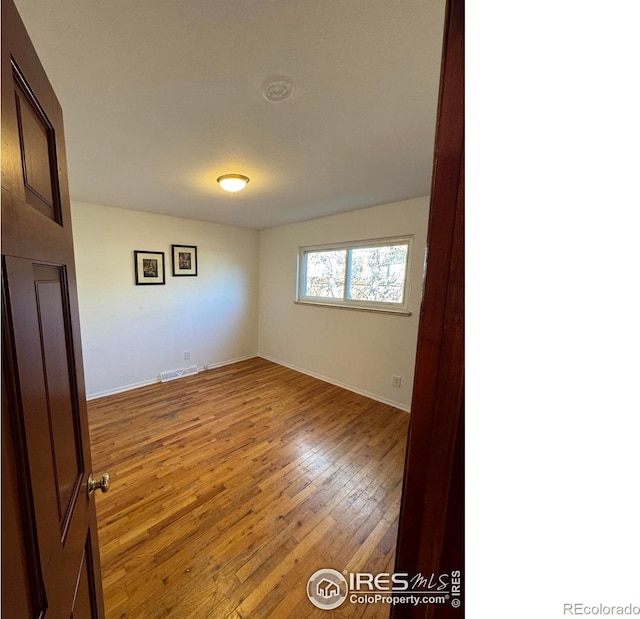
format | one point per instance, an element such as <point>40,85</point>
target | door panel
<point>48,510</point>
<point>36,296</point>
<point>37,149</point>
<point>62,409</point>
<point>83,599</point>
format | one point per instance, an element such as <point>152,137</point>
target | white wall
<point>132,333</point>
<point>356,349</point>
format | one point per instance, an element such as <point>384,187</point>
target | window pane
<point>378,273</point>
<point>325,273</point>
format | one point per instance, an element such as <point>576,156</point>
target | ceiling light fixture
<point>233,182</point>
<point>278,89</point>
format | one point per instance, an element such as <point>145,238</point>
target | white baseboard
<point>123,388</point>
<point>337,383</point>
<point>213,366</point>
<point>151,381</point>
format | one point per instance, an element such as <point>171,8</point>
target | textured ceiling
<point>161,97</point>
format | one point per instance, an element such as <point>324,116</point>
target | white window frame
<point>344,303</point>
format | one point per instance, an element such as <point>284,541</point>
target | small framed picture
<point>185,259</point>
<point>149,267</point>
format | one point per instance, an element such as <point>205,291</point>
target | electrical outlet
<point>187,355</point>
<point>396,381</point>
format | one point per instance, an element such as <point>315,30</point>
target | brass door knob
<point>103,483</point>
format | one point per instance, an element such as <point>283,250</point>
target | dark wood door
<point>50,556</point>
<point>431,523</point>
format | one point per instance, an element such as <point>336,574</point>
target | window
<point>369,275</point>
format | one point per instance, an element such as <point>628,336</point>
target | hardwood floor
<point>230,488</point>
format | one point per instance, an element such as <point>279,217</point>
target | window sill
<point>375,310</point>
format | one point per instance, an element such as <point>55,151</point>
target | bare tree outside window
<point>326,273</point>
<point>356,274</point>
<point>377,273</point>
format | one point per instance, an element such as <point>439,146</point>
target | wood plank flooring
<point>230,488</point>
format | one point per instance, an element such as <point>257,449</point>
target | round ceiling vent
<point>278,89</point>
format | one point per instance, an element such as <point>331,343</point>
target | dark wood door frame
<point>431,526</point>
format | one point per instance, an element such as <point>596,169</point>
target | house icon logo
<point>327,589</point>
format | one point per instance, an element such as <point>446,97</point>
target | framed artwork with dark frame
<point>185,260</point>
<point>149,267</point>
